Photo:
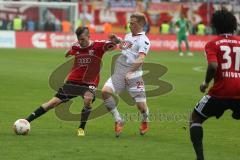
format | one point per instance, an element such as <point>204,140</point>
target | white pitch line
<point>199,69</point>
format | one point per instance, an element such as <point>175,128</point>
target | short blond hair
<point>141,18</point>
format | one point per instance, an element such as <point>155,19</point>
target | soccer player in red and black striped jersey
<point>223,57</point>
<point>83,78</point>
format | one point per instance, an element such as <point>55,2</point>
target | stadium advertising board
<point>7,39</point>
<point>169,42</point>
<point>44,40</point>
<point>61,40</point>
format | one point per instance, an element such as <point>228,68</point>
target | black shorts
<point>211,106</point>
<point>72,89</point>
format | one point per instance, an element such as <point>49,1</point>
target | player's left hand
<point>203,87</point>
<point>114,38</point>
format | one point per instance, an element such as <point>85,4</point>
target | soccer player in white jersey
<point>128,73</point>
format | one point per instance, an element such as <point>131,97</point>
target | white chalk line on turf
<point>199,69</point>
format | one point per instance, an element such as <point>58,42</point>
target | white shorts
<point>134,86</point>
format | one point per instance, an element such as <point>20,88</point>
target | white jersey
<point>133,45</point>
<point>130,49</point>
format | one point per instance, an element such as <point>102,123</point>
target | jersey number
<point>226,56</point>
<point>140,84</point>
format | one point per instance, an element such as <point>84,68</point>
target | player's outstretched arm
<point>211,71</point>
<point>112,43</point>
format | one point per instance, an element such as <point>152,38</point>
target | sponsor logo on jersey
<point>91,52</point>
<point>126,45</point>
<point>83,61</point>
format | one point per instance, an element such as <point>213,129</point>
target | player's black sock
<point>84,116</point>
<point>37,113</point>
<point>196,133</point>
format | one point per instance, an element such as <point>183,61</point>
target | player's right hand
<point>203,87</point>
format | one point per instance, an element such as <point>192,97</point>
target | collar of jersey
<point>90,43</point>
<point>138,34</point>
<point>226,34</point>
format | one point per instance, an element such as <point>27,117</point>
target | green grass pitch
<point>24,86</point>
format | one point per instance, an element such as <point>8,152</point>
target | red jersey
<point>87,62</point>
<point>225,50</point>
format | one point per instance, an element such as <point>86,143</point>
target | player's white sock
<point>116,115</point>
<point>145,116</point>
<point>111,106</point>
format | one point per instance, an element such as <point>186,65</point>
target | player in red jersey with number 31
<point>223,57</point>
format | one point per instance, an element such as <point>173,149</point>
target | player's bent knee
<point>196,118</point>
<point>88,97</point>
<point>88,101</point>
<point>106,92</point>
<point>142,106</point>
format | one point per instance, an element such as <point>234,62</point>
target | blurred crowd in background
<point>112,15</point>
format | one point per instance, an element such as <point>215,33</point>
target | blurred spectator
<point>107,27</point>
<point>238,29</point>
<point>91,27</point>
<point>172,27</point>
<point>58,25</point>
<point>201,29</point>
<point>210,30</point>
<point>31,26</point>
<point>79,22</point>
<point>17,24</point>
<point>49,25</point>
<point>3,24</point>
<point>146,28</point>
<point>193,26</point>
<point>66,26</point>
<point>127,28</point>
<point>164,28</point>
<point>9,25</point>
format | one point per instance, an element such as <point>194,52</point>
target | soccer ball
<point>21,127</point>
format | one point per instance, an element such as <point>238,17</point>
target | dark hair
<point>81,30</point>
<point>224,22</point>
<point>141,18</point>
